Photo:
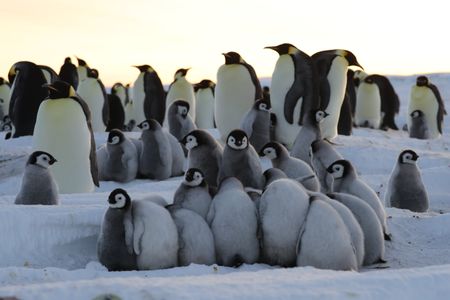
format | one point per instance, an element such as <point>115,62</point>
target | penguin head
<point>145,68</point>
<point>340,168</point>
<point>233,58</point>
<point>350,57</point>
<point>6,126</point>
<point>319,115</point>
<point>422,81</point>
<point>282,49</point>
<point>182,107</point>
<point>119,199</point>
<point>408,157</point>
<point>270,150</point>
<point>273,174</point>
<point>115,88</point>
<point>115,137</point>
<point>41,159</point>
<point>358,76</point>
<point>180,73</point>
<point>416,114</point>
<point>262,104</point>
<point>67,60</point>
<point>150,124</point>
<point>92,73</point>
<point>197,137</point>
<point>3,81</point>
<point>369,80</point>
<point>81,62</point>
<point>204,84</point>
<point>193,177</point>
<point>59,90</point>
<point>237,140</point>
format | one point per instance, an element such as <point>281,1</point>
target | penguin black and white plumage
<point>114,244</point>
<point>116,113</point>
<point>204,98</point>
<point>425,96</point>
<point>120,91</point>
<point>237,88</point>
<point>350,90</point>
<point>179,120</point>
<point>117,160</point>
<point>204,153</point>
<point>390,104</point>
<point>27,93</point>
<point>82,69</point>
<point>240,160</point>
<point>68,73</point>
<point>63,128</point>
<point>324,241</point>
<point>405,188</point>
<point>332,67</point>
<point>345,123</point>
<point>294,91</point>
<point>309,133</point>
<point>93,92</point>
<point>49,74</point>
<point>193,193</point>
<point>293,167</point>
<point>256,124</point>
<point>5,91</point>
<point>282,210</point>
<point>419,127</point>
<point>233,220</point>
<point>323,155</point>
<point>368,104</point>
<point>38,185</point>
<point>181,88</point>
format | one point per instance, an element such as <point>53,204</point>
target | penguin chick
<point>322,155</point>
<point>419,126</point>
<point>272,174</point>
<point>256,123</point>
<point>179,120</point>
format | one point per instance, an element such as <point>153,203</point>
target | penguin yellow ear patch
<point>72,92</point>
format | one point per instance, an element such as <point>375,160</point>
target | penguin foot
<point>387,237</point>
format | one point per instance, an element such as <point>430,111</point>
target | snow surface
<point>50,252</point>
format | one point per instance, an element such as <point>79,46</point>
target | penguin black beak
<point>49,87</point>
<point>271,48</point>
<point>52,161</point>
<point>326,114</point>
<point>329,170</point>
<point>139,126</point>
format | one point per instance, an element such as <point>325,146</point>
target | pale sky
<point>387,36</point>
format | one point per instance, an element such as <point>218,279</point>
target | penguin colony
<point>310,209</point>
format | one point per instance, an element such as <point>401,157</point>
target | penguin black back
<point>390,103</point>
<point>116,113</point>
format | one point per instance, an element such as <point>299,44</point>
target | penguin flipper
<point>293,95</point>
<point>138,232</point>
<point>211,214</point>
<point>105,108</point>
<point>324,92</point>
<point>128,225</point>
<point>247,122</point>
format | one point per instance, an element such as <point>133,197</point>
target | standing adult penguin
<point>5,93</point>
<point>390,104</point>
<point>425,96</point>
<point>68,73</point>
<point>82,69</point>
<point>181,88</point>
<point>345,123</point>
<point>368,104</point>
<point>204,98</point>
<point>63,128</point>
<point>419,127</point>
<point>406,189</point>
<point>236,90</point>
<point>332,68</point>
<point>179,120</point>
<point>116,113</point>
<point>293,91</point>
<point>323,154</point>
<point>256,124</point>
<point>27,93</point>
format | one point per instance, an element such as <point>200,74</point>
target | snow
<point>50,252</point>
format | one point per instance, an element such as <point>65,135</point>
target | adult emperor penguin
<point>93,92</point>
<point>5,91</point>
<point>368,104</point>
<point>233,221</point>
<point>204,153</point>
<point>193,193</point>
<point>293,167</point>
<point>179,120</point>
<point>116,113</point>
<point>256,124</point>
<point>181,88</point>
<point>38,185</point>
<point>114,244</point>
<point>204,98</point>
<point>390,104</point>
<point>27,93</point>
<point>117,160</point>
<point>68,73</point>
<point>63,128</point>
<point>148,96</point>
<point>82,69</point>
<point>120,91</point>
<point>236,90</point>
<point>282,210</point>
<point>293,91</point>
<point>323,154</point>
<point>332,67</point>
<point>308,133</point>
<point>405,188</point>
<point>425,96</point>
<point>418,128</point>
<point>240,160</point>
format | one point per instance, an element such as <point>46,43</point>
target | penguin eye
<point>232,140</point>
<point>337,168</point>
<point>120,198</point>
<point>407,156</point>
<point>197,176</point>
<point>262,106</point>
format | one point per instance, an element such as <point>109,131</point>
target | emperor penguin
<point>345,180</point>
<point>425,96</point>
<point>405,188</point>
<point>63,128</point>
<point>368,104</point>
<point>332,67</point>
<point>293,167</point>
<point>358,76</point>
<point>418,128</point>
<point>193,193</point>
<point>237,88</point>
<point>179,120</point>
<point>181,88</point>
<point>204,98</point>
<point>148,96</point>
<point>68,73</point>
<point>117,160</point>
<point>345,123</point>
<point>390,104</point>
<point>324,241</point>
<point>293,91</point>
<point>120,91</point>
<point>240,160</point>
<point>282,210</point>
<point>351,89</point>
<point>27,93</point>
<point>233,220</point>
<point>323,155</point>
<point>93,92</point>
<point>5,91</point>
<point>204,153</point>
<point>114,244</point>
<point>38,185</point>
<point>82,70</point>
<point>308,133</point>
<point>116,113</point>
<point>256,124</point>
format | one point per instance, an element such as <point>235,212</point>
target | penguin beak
<point>49,87</point>
<point>52,161</point>
<point>271,48</point>
<point>261,153</point>
<point>139,126</point>
<point>326,114</point>
<point>329,170</point>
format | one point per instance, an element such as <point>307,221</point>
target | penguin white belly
<point>235,95</point>
<point>205,109</point>
<point>62,131</point>
<point>338,80</point>
<point>82,73</point>
<point>181,89</point>
<point>4,96</point>
<point>282,80</point>
<point>138,97</point>
<point>90,91</point>
<point>121,93</point>
<point>129,112</point>
<point>422,98</point>
<point>368,105</point>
